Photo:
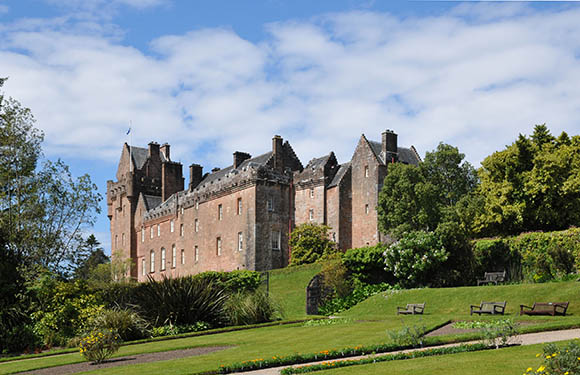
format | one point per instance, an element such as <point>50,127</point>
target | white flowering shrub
<point>414,258</point>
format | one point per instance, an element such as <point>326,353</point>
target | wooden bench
<point>545,308</point>
<point>492,277</point>
<point>493,308</point>
<point>412,308</point>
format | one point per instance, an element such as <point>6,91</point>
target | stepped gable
<point>140,156</point>
<point>318,171</point>
<point>342,170</point>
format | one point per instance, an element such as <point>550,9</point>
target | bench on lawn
<point>488,308</point>
<point>492,277</point>
<point>545,308</point>
<point>412,308</point>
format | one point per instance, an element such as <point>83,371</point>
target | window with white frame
<point>143,267</point>
<point>366,208</point>
<point>220,212</point>
<point>218,246</point>
<point>152,261</point>
<point>240,241</point>
<point>181,230</point>
<point>182,256</point>
<point>311,214</point>
<point>151,230</point>
<point>158,230</point>
<point>270,204</point>
<point>142,234</point>
<point>173,257</point>
<point>196,253</point>
<point>366,170</point>
<point>162,266</point>
<point>275,237</point>
<point>181,211</point>
<point>239,206</point>
<point>197,205</point>
<point>196,225</point>
<point>172,226</point>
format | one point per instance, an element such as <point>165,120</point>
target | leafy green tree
<point>533,184</point>
<point>44,210</point>
<point>309,243</point>
<point>87,265</point>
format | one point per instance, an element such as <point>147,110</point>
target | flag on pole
<point>129,131</point>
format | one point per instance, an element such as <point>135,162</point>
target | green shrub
<point>19,338</point>
<point>495,255</point>
<point>309,243</point>
<point>359,294</point>
<point>234,281</point>
<point>126,322</point>
<point>415,258</point>
<point>171,330</point>
<point>366,265</point>
<point>117,295</point>
<point>99,345</point>
<point>183,300</point>
<point>409,336</point>
<point>558,361</point>
<point>244,308</point>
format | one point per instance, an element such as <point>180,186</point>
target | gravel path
<point>525,339</point>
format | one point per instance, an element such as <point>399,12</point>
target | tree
<point>43,210</point>
<point>309,243</point>
<point>421,197</point>
<point>533,184</point>
<point>87,265</point>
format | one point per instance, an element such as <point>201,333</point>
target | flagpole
<point>130,146</point>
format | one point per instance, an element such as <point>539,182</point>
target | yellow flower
<point>541,368</point>
<point>529,369</point>
<point>537,355</point>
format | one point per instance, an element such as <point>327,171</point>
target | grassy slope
<point>288,287</point>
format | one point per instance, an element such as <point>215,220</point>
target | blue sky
<point>213,77</point>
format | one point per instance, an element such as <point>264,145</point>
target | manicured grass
<point>505,361</point>
<point>455,302</point>
<point>288,287</point>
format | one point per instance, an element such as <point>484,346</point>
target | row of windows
<point>275,242</point>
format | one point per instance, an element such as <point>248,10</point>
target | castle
<point>240,217</point>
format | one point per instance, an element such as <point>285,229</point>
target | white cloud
<point>464,78</point>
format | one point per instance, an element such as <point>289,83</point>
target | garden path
<point>524,339</point>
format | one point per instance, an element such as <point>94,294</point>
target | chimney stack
<point>153,150</point>
<point>240,157</point>
<point>165,150</point>
<point>389,142</point>
<point>277,151</point>
<point>195,175</point>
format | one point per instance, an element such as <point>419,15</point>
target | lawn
<point>366,325</point>
<point>288,288</point>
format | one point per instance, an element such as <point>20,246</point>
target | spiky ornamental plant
<point>183,300</point>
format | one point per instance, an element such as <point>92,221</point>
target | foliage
<point>359,294</point>
<point>533,184</point>
<point>128,324</point>
<point>172,330</point>
<point>415,258</point>
<point>383,358</point>
<point>366,264</point>
<point>120,267</point>
<point>182,300</point>
<point>325,322</point>
<point>61,309</point>
<point>419,197</point>
<point>243,308</point>
<point>99,345</point>
<point>335,277</point>
<point>309,243</point>
<point>458,269</point>
<point>45,210</point>
<point>558,361</point>
<point>409,336</point>
<point>95,256</point>
<point>500,333</point>
<point>234,281</point>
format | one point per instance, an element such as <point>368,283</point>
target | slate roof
<point>151,201</point>
<point>318,162</point>
<point>340,174</point>
<point>140,156</point>
<point>406,155</point>
<point>260,160</point>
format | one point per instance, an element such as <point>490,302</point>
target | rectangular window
<point>366,170</point>
<point>152,260</point>
<point>240,241</point>
<point>334,236</point>
<point>123,239</point>
<point>172,226</point>
<point>270,204</point>
<point>218,246</point>
<point>196,225</point>
<point>181,211</point>
<point>182,256</point>
<point>196,253</point>
<point>220,212</point>
<point>311,214</point>
<point>181,230</point>
<point>366,208</point>
<point>239,206</point>
<point>142,234</point>
<point>197,205</point>
<point>143,267</point>
<point>116,242</point>
<point>275,240</point>
<point>173,257</point>
<point>162,266</point>
<point>158,230</point>
<point>311,192</point>
<point>151,230</point>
